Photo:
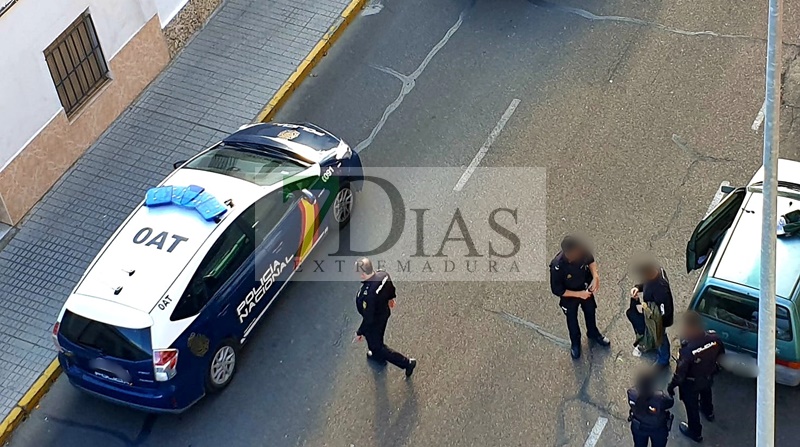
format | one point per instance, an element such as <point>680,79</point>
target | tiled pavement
<point>221,80</point>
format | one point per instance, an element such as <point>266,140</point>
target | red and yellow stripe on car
<point>309,226</point>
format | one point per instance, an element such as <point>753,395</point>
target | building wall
<point>168,9</point>
<point>38,142</point>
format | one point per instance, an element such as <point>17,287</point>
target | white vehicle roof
<point>161,254</point>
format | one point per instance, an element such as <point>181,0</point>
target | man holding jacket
<point>654,290</point>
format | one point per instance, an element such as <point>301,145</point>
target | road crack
<point>634,21</point>
<point>409,81</point>
<point>696,158</point>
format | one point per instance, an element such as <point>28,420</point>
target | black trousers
<point>380,351</point>
<point>637,320</point>
<point>570,308</point>
<point>696,399</point>
<point>648,437</point>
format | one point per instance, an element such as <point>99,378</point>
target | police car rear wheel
<point>222,366</point>
<point>343,205</point>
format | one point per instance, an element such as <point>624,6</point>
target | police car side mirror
<point>727,189</point>
<point>308,195</point>
<point>178,164</point>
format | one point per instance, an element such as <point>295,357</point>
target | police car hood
<point>151,249</point>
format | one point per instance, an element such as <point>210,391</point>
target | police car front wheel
<point>222,366</point>
<point>343,205</point>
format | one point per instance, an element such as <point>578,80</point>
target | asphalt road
<point>636,126</point>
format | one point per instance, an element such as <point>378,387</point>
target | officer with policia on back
<point>374,301</point>
<point>698,363</point>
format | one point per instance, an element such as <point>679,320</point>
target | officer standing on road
<point>656,292</point>
<point>649,418</point>
<point>694,376</point>
<point>574,279</point>
<point>374,302</point>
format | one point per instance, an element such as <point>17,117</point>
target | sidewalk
<point>221,80</point>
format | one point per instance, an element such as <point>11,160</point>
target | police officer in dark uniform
<point>649,416</point>
<point>698,363</point>
<point>374,302</point>
<point>574,279</point>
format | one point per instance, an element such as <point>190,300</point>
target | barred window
<point>77,64</point>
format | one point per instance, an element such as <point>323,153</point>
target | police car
<point>158,318</point>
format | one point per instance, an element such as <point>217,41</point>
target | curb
<point>39,388</point>
<point>29,401</point>
<point>319,51</point>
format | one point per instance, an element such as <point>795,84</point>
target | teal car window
<point>741,311</point>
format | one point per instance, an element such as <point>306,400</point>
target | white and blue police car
<point>157,319</point>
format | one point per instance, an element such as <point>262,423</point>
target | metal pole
<point>765,409</point>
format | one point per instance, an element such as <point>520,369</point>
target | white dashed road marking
<point>760,117</point>
<point>594,436</point>
<point>717,198</point>
<point>371,8</point>
<point>485,148</point>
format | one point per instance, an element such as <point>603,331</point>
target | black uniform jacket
<point>565,276</point>
<point>698,361</point>
<point>655,414</point>
<point>372,301</point>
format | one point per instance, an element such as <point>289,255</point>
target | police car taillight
<point>165,364</point>
<point>55,336</point>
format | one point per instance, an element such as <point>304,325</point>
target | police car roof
<point>152,248</point>
<point>254,137</point>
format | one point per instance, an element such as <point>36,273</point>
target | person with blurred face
<point>698,363</point>
<point>649,413</point>
<point>654,290</point>
<point>575,280</point>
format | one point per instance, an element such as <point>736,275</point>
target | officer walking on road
<point>656,292</point>
<point>374,302</point>
<point>574,279</point>
<point>649,416</point>
<point>694,376</point>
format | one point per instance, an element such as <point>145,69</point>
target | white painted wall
<point>168,9</point>
<point>28,98</point>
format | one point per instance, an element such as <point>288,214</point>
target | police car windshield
<point>253,165</point>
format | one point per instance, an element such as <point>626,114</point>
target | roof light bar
<point>192,196</point>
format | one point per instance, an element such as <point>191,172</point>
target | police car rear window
<point>742,312</point>
<point>122,343</point>
<point>251,165</point>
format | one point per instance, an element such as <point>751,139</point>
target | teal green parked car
<point>726,245</point>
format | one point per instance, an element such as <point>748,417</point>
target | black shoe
<point>575,352</point>
<point>709,417</point>
<point>412,363</point>
<point>684,427</point>
<point>602,341</point>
